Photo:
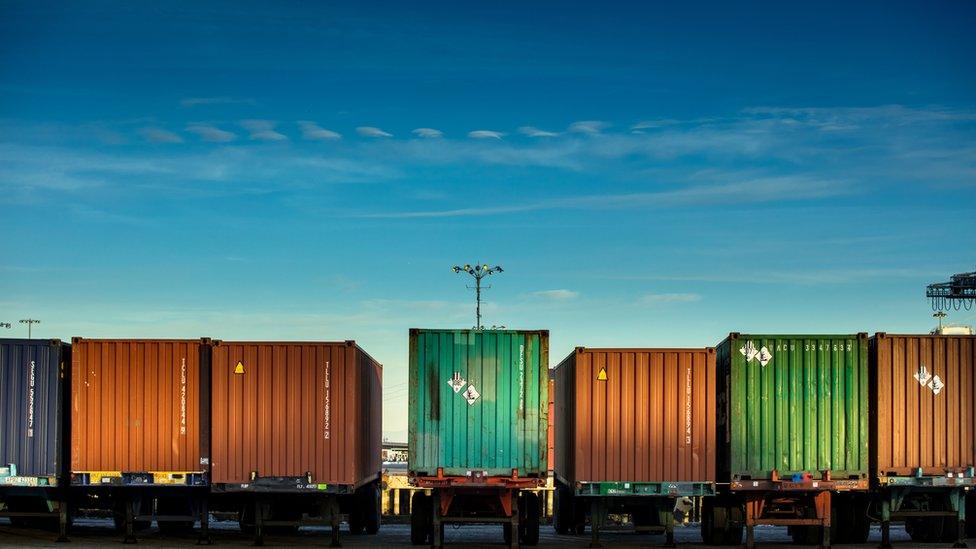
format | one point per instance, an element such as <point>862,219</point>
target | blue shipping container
<point>32,389</point>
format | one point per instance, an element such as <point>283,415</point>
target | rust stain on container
<point>136,405</point>
<point>297,408</point>
<point>635,415</point>
<point>922,389</point>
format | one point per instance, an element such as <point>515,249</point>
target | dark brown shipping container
<point>136,405</point>
<point>289,408</point>
<point>650,418</point>
<point>922,390</point>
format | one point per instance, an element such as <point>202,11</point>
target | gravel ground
<point>99,533</point>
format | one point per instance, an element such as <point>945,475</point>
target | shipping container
<point>923,421</point>
<point>793,405</point>
<point>297,433</point>
<point>635,428</point>
<point>478,400</point>
<point>296,409</point>
<point>33,412</point>
<point>478,430</point>
<point>32,401</point>
<point>793,438</point>
<point>636,416</point>
<point>922,432</point>
<point>139,411</point>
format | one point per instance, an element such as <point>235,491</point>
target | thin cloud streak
<point>428,133</point>
<point>159,135</point>
<point>532,131</point>
<point>771,189</point>
<point>211,133</point>
<point>370,131</point>
<point>313,132</point>
<point>485,134</point>
<point>263,130</point>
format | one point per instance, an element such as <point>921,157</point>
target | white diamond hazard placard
<point>471,395</point>
<point>456,382</point>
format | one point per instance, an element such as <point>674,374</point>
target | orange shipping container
<point>136,405</point>
<point>288,409</point>
<point>922,387</point>
<point>635,416</point>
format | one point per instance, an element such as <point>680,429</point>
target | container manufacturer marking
<point>30,400</point>
<point>328,401</point>
<point>521,380</point>
<point>183,397</point>
<point>688,406</point>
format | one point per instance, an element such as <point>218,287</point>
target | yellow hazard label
<point>239,369</point>
<point>602,376</point>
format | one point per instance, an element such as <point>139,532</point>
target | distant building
<point>953,329</point>
<point>395,452</point>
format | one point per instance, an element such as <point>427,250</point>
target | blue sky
<point>647,175</point>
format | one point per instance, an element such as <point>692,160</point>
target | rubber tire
<point>529,521</point>
<point>421,519</point>
<point>356,526</point>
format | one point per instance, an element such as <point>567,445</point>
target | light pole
<point>940,315</point>
<point>478,272</point>
<point>30,323</point>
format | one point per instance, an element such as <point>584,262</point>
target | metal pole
<point>477,286</point>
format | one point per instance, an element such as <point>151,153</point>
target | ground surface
<point>99,533</point>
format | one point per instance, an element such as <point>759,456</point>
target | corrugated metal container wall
<point>136,405</point>
<point>922,388</point>
<point>31,398</point>
<point>296,407</point>
<point>496,419</point>
<point>797,403</point>
<point>636,415</point>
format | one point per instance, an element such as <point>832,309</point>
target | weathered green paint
<point>505,428</point>
<point>806,410</point>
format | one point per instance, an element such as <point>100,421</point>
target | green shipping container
<point>793,403</point>
<point>478,401</point>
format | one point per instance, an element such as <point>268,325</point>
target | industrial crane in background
<point>956,294</point>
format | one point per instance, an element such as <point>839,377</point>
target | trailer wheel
<point>421,519</point>
<point>529,523</point>
<point>356,526</point>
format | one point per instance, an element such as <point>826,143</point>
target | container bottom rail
<point>933,508</point>
<point>478,498</point>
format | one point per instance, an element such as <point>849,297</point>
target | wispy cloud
<point>760,190</point>
<point>485,134</point>
<point>371,131</point>
<point>211,133</point>
<point>532,131</point>
<point>653,299</point>
<point>557,295</point>
<point>222,100</point>
<point>263,130</point>
<point>159,135</point>
<point>428,133</point>
<point>588,126</point>
<point>313,132</point>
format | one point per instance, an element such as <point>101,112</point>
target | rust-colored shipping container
<point>292,409</point>
<point>922,389</point>
<point>139,406</point>
<point>635,416</point>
